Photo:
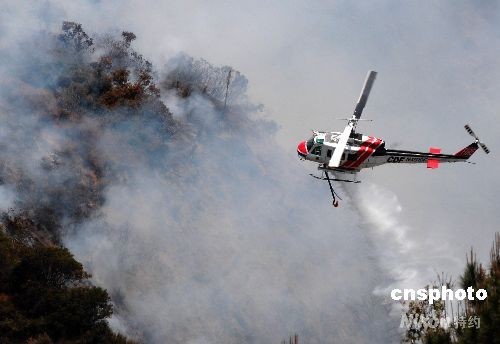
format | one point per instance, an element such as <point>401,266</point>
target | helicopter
<point>348,152</point>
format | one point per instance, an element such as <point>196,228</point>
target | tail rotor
<point>471,133</point>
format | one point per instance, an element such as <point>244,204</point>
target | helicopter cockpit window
<point>310,144</point>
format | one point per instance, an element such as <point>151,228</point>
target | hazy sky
<point>306,62</point>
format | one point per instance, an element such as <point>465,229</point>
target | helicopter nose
<point>302,149</point>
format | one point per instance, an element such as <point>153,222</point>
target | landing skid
<point>335,203</point>
<point>336,179</point>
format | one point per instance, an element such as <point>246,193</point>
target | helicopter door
<point>327,153</point>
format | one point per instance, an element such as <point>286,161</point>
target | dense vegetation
<point>45,297</point>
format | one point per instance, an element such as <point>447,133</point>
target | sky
<point>306,62</point>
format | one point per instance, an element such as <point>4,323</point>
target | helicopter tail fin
<point>467,152</point>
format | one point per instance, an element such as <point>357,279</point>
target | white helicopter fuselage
<point>363,151</point>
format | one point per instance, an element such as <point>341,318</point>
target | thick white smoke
<point>236,244</point>
<point>219,238</point>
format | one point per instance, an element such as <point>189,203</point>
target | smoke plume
<point>171,188</point>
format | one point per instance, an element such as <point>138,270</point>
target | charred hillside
<point>75,99</point>
<point>73,92</point>
<point>74,88</point>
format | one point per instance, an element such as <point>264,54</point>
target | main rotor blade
<point>363,97</point>
<point>339,149</point>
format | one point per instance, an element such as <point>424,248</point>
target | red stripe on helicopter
<point>362,149</point>
<point>373,147</point>
<point>367,152</point>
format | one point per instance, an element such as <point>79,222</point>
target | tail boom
<point>431,159</point>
